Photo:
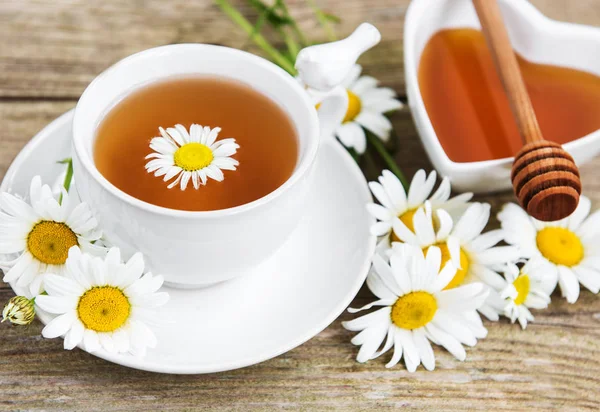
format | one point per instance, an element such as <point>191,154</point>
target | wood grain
<point>50,50</point>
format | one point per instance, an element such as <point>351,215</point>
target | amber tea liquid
<point>267,137</point>
<point>470,112</point>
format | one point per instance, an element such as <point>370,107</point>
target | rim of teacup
<point>304,162</point>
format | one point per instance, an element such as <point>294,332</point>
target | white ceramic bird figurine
<point>324,66</point>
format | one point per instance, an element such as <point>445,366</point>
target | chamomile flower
<point>19,311</point>
<point>396,204</point>
<point>524,290</point>
<point>474,254</point>
<point>569,245</point>
<point>41,234</point>
<point>103,303</point>
<point>194,156</point>
<point>417,309</point>
<point>367,105</point>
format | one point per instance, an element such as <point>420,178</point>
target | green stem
<point>241,21</point>
<point>323,21</point>
<point>291,44</point>
<point>68,176</point>
<point>354,155</point>
<point>303,40</point>
<point>389,160</point>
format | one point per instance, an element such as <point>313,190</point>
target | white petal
<point>487,240</point>
<point>20,266</point>
<point>384,106</point>
<point>372,341</point>
<point>397,349</point>
<point>395,191</point>
<point>442,194</point>
<point>404,233</point>
<point>445,225</point>
<point>518,229</point>
<point>424,348</point>
<point>75,335</point>
<point>472,222</point>
<point>451,324</point>
<point>106,342</point>
<point>420,188</point>
<point>390,275</point>
<point>212,136</point>
<point>352,136</point>
<point>91,342</point>
<point>62,286</point>
<point>214,173</point>
<point>423,228</point>
<point>17,207</point>
<point>378,287</point>
<point>379,316</point>
<point>447,341</point>
<point>364,83</point>
<point>381,228</point>
<point>376,123</point>
<point>411,353</point>
<point>590,278</point>
<point>59,325</point>
<point>463,298</point>
<point>56,304</point>
<point>498,255</point>
<point>569,285</point>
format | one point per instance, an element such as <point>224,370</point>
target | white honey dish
<point>534,36</point>
<point>195,249</point>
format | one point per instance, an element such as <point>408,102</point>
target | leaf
<point>65,161</point>
<point>271,13</point>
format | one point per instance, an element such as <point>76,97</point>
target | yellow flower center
<point>522,284</point>
<point>461,273</point>
<point>193,156</point>
<point>49,242</point>
<point>560,246</point>
<point>103,308</point>
<point>414,310</point>
<point>354,107</point>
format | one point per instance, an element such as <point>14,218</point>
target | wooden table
<point>49,52</point>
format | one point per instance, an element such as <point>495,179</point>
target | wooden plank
<point>53,50</point>
<point>552,365</point>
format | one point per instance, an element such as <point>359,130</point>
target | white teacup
<point>195,249</point>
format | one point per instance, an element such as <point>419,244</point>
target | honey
<point>470,113</point>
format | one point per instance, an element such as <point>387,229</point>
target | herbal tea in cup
<point>266,141</point>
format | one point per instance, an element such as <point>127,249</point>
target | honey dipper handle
<point>508,68</point>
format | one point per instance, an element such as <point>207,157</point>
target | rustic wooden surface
<point>50,50</point>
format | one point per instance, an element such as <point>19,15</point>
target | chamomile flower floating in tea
<point>367,105</point>
<point>524,290</point>
<point>417,309</point>
<point>475,255</point>
<point>41,233</point>
<point>194,156</point>
<point>103,303</point>
<point>570,246</point>
<point>395,203</point>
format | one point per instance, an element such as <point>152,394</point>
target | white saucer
<point>270,310</point>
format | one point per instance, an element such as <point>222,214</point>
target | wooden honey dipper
<point>544,176</point>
